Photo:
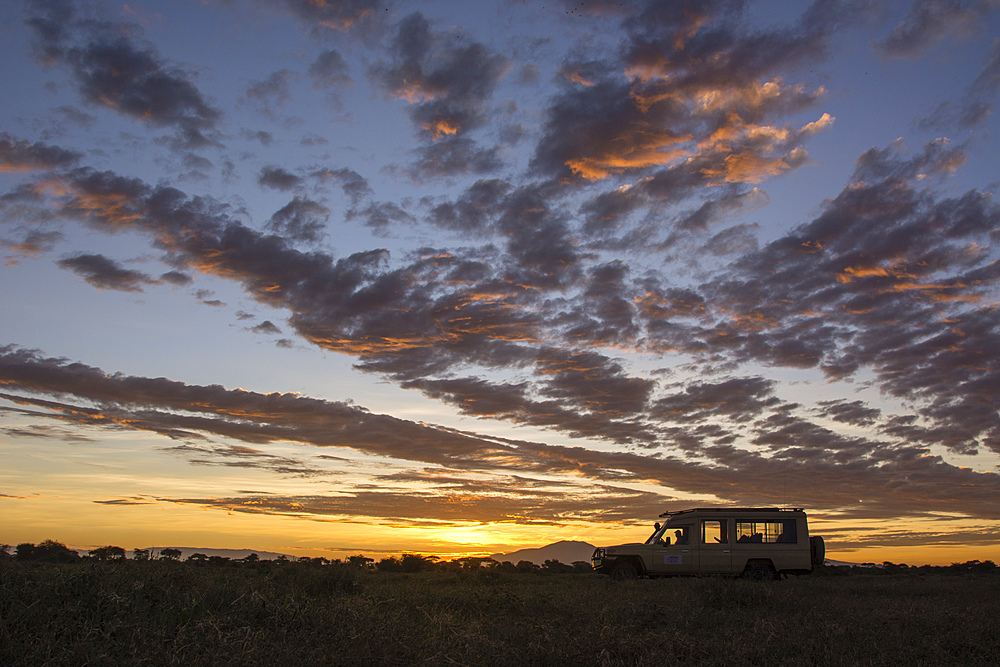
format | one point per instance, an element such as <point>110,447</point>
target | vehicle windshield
<point>658,535</point>
<point>670,534</point>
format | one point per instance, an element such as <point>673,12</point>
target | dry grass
<point>159,613</point>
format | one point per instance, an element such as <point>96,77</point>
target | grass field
<point>166,613</point>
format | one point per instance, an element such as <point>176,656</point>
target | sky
<point>326,278</point>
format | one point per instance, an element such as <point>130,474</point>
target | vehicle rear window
<point>766,532</point>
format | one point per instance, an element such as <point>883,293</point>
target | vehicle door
<point>680,556</point>
<point>716,553</point>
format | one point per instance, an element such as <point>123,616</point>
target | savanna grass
<point>163,613</point>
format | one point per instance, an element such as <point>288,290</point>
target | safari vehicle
<point>755,542</point>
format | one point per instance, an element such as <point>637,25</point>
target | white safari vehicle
<point>755,542</point>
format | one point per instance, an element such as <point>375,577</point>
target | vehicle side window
<point>766,532</point>
<point>682,535</point>
<point>713,531</point>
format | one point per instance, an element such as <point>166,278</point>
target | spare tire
<point>817,549</point>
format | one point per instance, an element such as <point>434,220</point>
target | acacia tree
<point>48,551</point>
<point>360,561</point>
<point>170,554</point>
<point>107,553</point>
<point>140,554</point>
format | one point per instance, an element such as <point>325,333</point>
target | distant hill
<point>565,552</point>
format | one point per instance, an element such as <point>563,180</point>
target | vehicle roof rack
<point>732,509</point>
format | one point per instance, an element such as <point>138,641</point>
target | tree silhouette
<point>107,553</point>
<point>360,561</point>
<point>170,554</point>
<point>140,554</point>
<point>48,551</point>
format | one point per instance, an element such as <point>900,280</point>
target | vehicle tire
<point>817,550</point>
<point>760,572</point>
<point>624,572</point>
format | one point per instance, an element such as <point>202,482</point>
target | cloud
<point>113,71</point>
<point>34,243</point>
<point>337,16</point>
<point>445,78</point>
<point>737,399</point>
<point>445,499</point>
<point>448,82</point>
<point>811,464</point>
<point>381,215</point>
<point>886,278</point>
<point>278,178</point>
<point>475,209</point>
<point>977,104</point>
<point>176,278</point>
<point>450,156</point>
<point>273,91</point>
<point>266,327</point>
<point>690,86</point>
<point>20,155</point>
<point>928,22</point>
<point>300,220</point>
<point>330,70</point>
<point>354,185</point>
<point>104,273</point>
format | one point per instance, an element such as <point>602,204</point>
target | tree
<point>140,554</point>
<point>389,564</point>
<point>526,566</point>
<point>360,561</point>
<point>555,567</point>
<point>416,562</point>
<point>48,551</point>
<point>4,551</point>
<point>25,551</point>
<point>170,554</point>
<point>107,553</point>
<point>197,559</point>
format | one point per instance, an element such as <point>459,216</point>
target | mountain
<point>564,551</point>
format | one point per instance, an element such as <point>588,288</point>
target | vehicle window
<point>766,532</point>
<point>713,531</point>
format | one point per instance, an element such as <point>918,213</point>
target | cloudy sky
<point>450,277</point>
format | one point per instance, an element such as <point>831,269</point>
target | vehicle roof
<point>732,510</point>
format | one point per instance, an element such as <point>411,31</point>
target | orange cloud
<point>575,77</point>
<point>747,167</point>
<point>638,150</point>
<point>441,127</point>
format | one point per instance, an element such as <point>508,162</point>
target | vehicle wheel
<point>760,572</point>
<point>624,572</point>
